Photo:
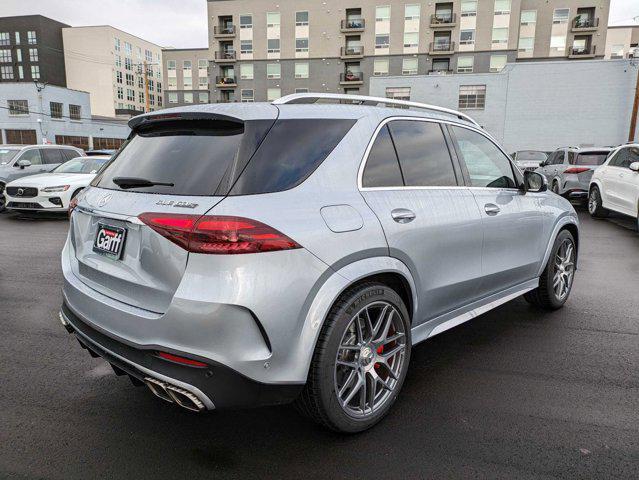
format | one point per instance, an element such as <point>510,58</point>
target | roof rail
<point>365,100</point>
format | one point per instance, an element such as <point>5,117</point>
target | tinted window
<point>52,156</point>
<point>423,153</point>
<point>291,151</point>
<point>69,154</point>
<point>531,155</point>
<point>82,165</point>
<point>33,156</point>
<point>195,156</point>
<point>592,158</point>
<point>558,159</point>
<point>382,167</point>
<point>487,165</point>
<point>625,157</point>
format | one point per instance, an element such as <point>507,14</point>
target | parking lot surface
<point>515,393</point>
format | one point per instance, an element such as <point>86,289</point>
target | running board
<point>423,332</point>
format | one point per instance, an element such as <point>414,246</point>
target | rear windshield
<point>530,155</point>
<point>593,158</point>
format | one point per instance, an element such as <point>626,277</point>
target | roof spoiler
<point>158,118</point>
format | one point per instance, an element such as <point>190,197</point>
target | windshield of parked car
<point>531,156</point>
<point>82,165</point>
<point>591,158</point>
<point>6,155</point>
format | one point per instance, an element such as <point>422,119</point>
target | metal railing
<point>353,24</point>
<point>351,77</point>
<point>225,80</point>
<point>587,50</point>
<point>585,22</point>
<point>225,55</point>
<point>442,46</point>
<point>355,51</point>
<point>439,72</point>
<point>443,18</point>
<point>224,30</point>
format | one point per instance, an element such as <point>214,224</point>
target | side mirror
<point>535,182</point>
<point>634,166</point>
<point>24,164</point>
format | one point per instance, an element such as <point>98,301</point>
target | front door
<point>512,226</point>
<point>430,219</point>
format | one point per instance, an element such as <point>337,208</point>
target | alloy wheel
<point>593,201</point>
<point>370,359</point>
<point>564,269</point>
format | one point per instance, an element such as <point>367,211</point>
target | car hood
<point>53,179</point>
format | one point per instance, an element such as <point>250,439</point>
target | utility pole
<point>635,109</point>
<point>146,87</point>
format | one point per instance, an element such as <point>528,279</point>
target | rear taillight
<point>218,235</point>
<point>577,170</point>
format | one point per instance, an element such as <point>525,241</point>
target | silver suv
<point>255,254</point>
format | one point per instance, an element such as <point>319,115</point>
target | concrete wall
<point>540,105</point>
<point>47,128</point>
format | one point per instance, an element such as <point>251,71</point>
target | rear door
<point>120,256</point>
<point>430,219</point>
<point>51,158</point>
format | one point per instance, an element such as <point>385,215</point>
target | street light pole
<point>635,109</point>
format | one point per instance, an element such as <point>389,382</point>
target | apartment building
<point>187,76</point>
<point>122,72</point>
<point>31,50</point>
<point>622,42</point>
<point>262,49</point>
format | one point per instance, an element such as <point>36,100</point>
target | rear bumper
<point>574,187</point>
<point>216,386</point>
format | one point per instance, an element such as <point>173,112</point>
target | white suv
<point>615,185</point>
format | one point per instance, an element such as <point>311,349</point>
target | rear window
<point>532,156</point>
<point>593,158</point>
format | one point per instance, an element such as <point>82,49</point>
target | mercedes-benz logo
<point>20,192</point>
<point>104,200</point>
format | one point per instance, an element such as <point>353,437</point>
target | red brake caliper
<point>380,350</point>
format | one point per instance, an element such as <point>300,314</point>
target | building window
<point>273,19</point>
<point>528,17</point>
<point>411,12</point>
<point>148,56</point>
<point>617,51</point>
<point>301,90</point>
<point>187,65</point>
<point>188,97</point>
<point>502,7</point>
<point>526,44</point>
<point>17,35</point>
<point>130,95</point>
<point>6,72</point>
<point>247,96</point>
<point>273,45</point>
<point>5,38</point>
<point>301,45</point>
<point>35,72</point>
<point>138,53</point>
<point>472,97</point>
<point>246,46</point>
<point>246,71</point>
<point>203,83</point>
<point>301,19</point>
<point>130,79</point>
<point>140,82</point>
<point>120,93</point>
<point>128,63</point>
<point>203,65</point>
<point>398,93</point>
<point>151,85</point>
<point>18,107</point>
<point>203,97</point>
<point>173,97</point>
<point>409,66</point>
<point>246,21</point>
<point>301,70</point>
<point>411,40</point>
<point>188,83</point>
<point>382,14</point>
<point>56,109</point>
<point>558,42</point>
<point>467,37</point>
<point>18,55</point>
<point>465,64</point>
<point>171,65</point>
<point>116,44</point>
<point>273,70</point>
<point>140,97</point>
<point>5,56</point>
<point>118,61</point>
<point>382,41</point>
<point>172,83</point>
<point>33,54</point>
<point>560,15</point>
<point>469,8</point>
<point>128,49</point>
<point>75,112</point>
<point>32,38</point>
<point>118,77</point>
<point>20,72</point>
<point>500,36</point>
<point>380,67</point>
<point>273,94</point>
<point>498,62</point>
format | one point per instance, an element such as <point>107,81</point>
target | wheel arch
<point>567,222</point>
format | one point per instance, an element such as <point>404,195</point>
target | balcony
<point>225,56</point>
<point>224,31</point>
<point>351,78</point>
<point>585,24</point>
<point>441,20</point>
<point>582,52</point>
<point>225,82</point>
<point>440,72</point>
<point>441,48</point>
<point>353,25</point>
<point>352,52</point>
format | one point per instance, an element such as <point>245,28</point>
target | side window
<point>382,166</point>
<point>423,153</point>
<point>559,158</point>
<point>571,158</point>
<point>486,164</point>
<point>625,157</point>
<point>68,154</point>
<point>551,158</point>
<point>619,159</point>
<point>52,156</point>
<point>33,156</point>
<point>633,155</point>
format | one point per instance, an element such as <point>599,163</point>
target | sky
<point>176,23</point>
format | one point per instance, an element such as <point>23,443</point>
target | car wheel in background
<point>595,206</point>
<point>360,360</point>
<point>555,187</point>
<point>3,200</point>
<point>556,280</point>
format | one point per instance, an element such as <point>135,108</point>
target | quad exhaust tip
<point>173,394</point>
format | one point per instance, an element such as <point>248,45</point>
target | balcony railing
<point>441,47</point>
<point>351,77</point>
<point>585,23</point>
<point>225,55</point>
<point>353,25</point>
<point>587,51</point>
<point>354,51</point>
<point>443,19</point>
<point>224,30</point>
<point>225,81</point>
<point>438,71</point>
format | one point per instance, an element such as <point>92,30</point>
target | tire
<point>546,295</point>
<point>555,187</point>
<point>3,200</point>
<point>595,204</point>
<point>336,370</point>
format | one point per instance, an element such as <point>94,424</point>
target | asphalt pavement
<point>514,394</point>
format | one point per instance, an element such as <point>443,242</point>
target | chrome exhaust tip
<point>185,399</point>
<point>158,388</point>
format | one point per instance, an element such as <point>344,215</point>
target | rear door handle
<point>491,209</point>
<point>403,215</point>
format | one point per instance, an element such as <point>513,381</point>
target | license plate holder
<point>109,241</point>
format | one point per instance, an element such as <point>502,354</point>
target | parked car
<point>53,191</point>
<point>17,161</point>
<point>232,256</point>
<point>570,169</point>
<point>529,159</point>
<point>615,185</point>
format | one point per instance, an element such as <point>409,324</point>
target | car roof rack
<point>365,100</point>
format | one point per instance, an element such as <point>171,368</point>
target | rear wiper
<point>133,182</point>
